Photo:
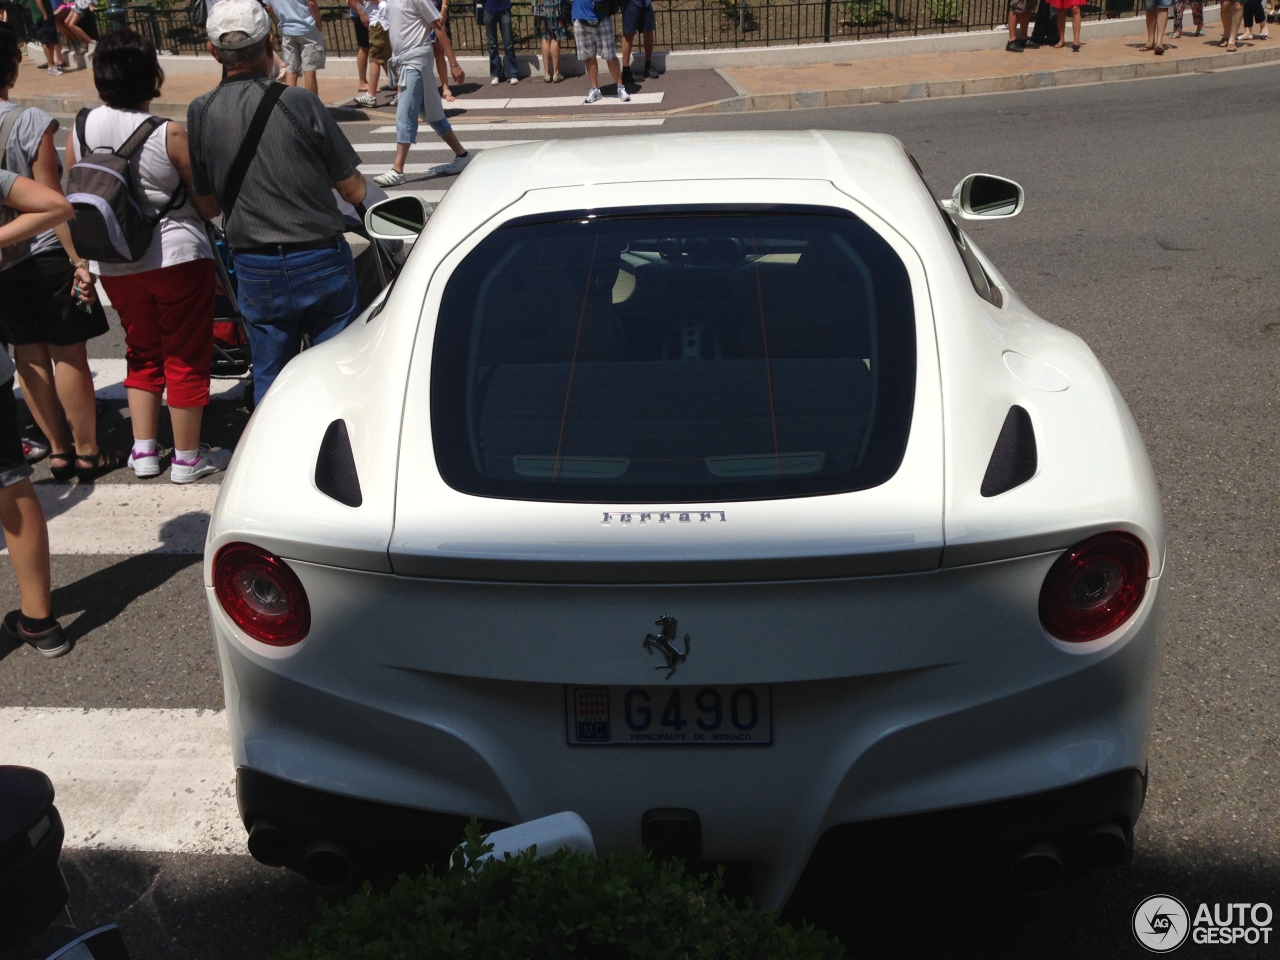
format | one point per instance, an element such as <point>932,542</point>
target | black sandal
<point>65,472</point>
<point>104,461</point>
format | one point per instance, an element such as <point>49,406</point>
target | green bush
<point>562,905</point>
<point>865,13</point>
<point>946,11</point>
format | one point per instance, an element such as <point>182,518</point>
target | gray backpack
<point>110,225</point>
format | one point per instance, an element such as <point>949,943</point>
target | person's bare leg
<point>309,82</point>
<point>26,536</point>
<point>1152,39</point>
<point>144,414</point>
<point>402,154</point>
<point>373,77</point>
<point>36,377</point>
<point>290,78</point>
<point>648,46</point>
<point>1062,27</point>
<point>186,426</point>
<point>74,383</point>
<point>1013,27</point>
<point>1075,25</point>
<point>362,68</point>
<point>593,72</point>
<point>555,56</point>
<point>454,143</point>
<point>1162,18</point>
<point>615,70</point>
<point>1024,24</point>
<point>628,41</point>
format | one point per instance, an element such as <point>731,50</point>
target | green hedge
<point>562,905</point>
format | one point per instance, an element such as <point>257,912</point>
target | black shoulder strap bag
<point>244,157</point>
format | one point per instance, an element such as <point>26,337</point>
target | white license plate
<point>670,716</point>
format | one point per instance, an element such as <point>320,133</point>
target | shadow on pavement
<point>972,914</point>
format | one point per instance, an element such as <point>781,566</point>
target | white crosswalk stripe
<point>490,126</point>
<point>137,779</point>
<point>127,519</point>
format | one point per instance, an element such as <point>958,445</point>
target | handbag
<point>604,9</point>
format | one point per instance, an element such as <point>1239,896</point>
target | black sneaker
<point>626,76</point>
<point>651,72</point>
<point>51,643</point>
<point>1013,46</point>
<point>1030,44</point>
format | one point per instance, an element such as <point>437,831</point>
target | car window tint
<point>657,358</point>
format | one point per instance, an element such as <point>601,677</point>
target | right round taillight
<point>261,594</point>
<point>1094,587</point>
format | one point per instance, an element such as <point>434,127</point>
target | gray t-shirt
<point>287,194</point>
<point>7,369</point>
<point>24,142</point>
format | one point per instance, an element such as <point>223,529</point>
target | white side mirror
<point>983,196</point>
<point>397,218</point>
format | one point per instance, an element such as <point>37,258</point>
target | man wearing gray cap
<point>269,154</point>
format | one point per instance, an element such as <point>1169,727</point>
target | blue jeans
<point>286,295</point>
<point>504,66</point>
<point>419,96</point>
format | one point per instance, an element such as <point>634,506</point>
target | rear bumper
<point>987,834</point>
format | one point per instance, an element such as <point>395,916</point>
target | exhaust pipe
<point>326,864</point>
<point>1037,869</point>
<point>271,844</point>
<point>1102,847</point>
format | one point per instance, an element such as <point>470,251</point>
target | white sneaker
<point>366,100</point>
<point>392,178</point>
<point>623,95</point>
<point>209,461</point>
<point>55,71</point>
<point>513,80</point>
<point>145,466</point>
<point>452,168</point>
<point>593,95</point>
<point>494,81</point>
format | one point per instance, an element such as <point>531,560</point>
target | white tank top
<point>180,235</point>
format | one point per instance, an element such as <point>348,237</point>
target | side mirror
<point>982,196</point>
<point>397,218</point>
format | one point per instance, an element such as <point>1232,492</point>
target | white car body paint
<point>898,625</point>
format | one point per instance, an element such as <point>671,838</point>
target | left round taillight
<point>261,594</point>
<point>1094,587</point>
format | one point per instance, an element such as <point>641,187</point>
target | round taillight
<point>1094,587</point>
<point>261,594</point>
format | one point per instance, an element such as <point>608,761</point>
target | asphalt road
<point>1148,231</point>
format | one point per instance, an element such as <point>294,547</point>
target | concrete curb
<point>1031,80</point>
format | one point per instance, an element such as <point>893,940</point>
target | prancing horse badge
<point>664,643</point>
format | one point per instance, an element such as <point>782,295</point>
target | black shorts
<point>46,31</point>
<point>13,465</point>
<point>362,32</point>
<point>36,305</point>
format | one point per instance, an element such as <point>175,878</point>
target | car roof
<point>859,163</point>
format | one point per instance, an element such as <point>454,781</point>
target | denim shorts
<point>1156,4</point>
<point>417,97</point>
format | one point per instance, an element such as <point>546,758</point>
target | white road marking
<point>138,779</point>
<point>461,128</point>
<point>127,519</point>
<point>536,103</point>
<point>438,147</point>
<point>108,380</point>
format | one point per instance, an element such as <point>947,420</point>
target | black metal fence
<point>681,24</point>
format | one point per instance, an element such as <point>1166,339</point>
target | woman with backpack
<point>40,313</point>
<point>165,295</point>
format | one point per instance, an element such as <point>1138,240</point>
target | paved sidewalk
<point>897,74</point>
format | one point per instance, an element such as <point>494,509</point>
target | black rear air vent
<point>1013,461</point>
<point>336,467</point>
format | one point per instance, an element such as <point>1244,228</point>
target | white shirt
<point>180,235</point>
<point>411,22</point>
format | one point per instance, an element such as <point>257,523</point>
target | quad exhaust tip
<point>1102,847</point>
<point>1037,869</point>
<point>271,845</point>
<point>327,864</point>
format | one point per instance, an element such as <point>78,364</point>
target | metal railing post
<point>117,19</point>
<point>826,21</point>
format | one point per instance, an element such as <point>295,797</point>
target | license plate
<point>670,716</point>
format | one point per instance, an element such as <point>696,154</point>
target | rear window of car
<point>657,357</point>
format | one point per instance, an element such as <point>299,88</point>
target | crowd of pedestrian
<point>1238,16</point>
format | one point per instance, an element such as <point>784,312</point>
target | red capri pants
<point>167,315</point>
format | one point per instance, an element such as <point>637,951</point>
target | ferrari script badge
<point>664,643</point>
